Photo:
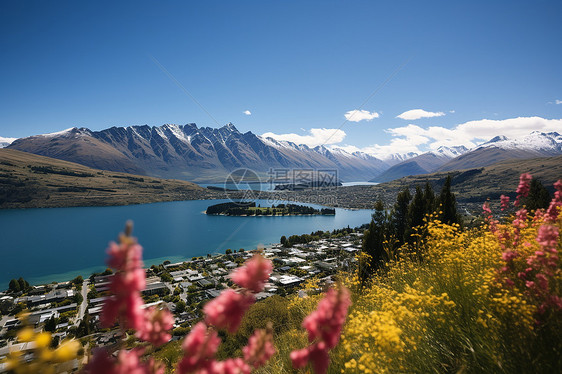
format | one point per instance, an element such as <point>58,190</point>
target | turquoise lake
<point>57,244</point>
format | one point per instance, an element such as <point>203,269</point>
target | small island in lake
<point>250,209</point>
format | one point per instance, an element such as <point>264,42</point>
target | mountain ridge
<point>192,153</point>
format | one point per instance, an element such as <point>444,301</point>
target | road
<point>84,304</point>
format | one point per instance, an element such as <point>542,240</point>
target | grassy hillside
<point>31,181</point>
<point>476,185</point>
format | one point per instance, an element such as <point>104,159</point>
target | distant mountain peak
<point>229,126</point>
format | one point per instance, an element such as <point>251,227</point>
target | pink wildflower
<point>157,322</point>
<point>253,274</point>
<point>548,237</point>
<point>556,203</point>
<point>509,255</point>
<point>327,320</point>
<point>316,354</point>
<point>127,362</point>
<point>101,362</point>
<point>486,208</point>
<point>324,326</point>
<point>260,348</point>
<point>504,202</point>
<point>200,348</point>
<point>126,308</point>
<point>129,280</point>
<point>523,188</point>
<point>230,366</point>
<point>226,310</point>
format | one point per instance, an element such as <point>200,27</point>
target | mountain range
<point>499,148</point>
<point>204,154</point>
<point>193,153</point>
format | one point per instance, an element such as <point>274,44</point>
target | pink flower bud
<point>260,348</point>
<point>253,274</point>
<point>156,324</point>
<point>326,322</point>
<point>504,202</point>
<point>523,188</point>
<point>226,310</point>
<point>200,348</point>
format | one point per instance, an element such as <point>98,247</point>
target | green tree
<point>14,286</point>
<point>374,237</point>
<point>416,214</point>
<point>228,251</point>
<point>429,198</point>
<point>538,198</point>
<point>78,280</point>
<point>180,307</point>
<point>166,277</point>
<point>78,298</point>
<point>448,203</point>
<point>283,240</point>
<point>51,324</point>
<point>24,285</point>
<point>399,219</point>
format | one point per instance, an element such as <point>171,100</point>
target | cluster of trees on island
<point>250,209</point>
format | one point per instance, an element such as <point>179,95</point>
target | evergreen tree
<point>283,240</point>
<point>416,214</point>
<point>375,236</point>
<point>24,285</point>
<point>448,203</point>
<point>399,220</point>
<point>51,324</point>
<point>538,197</point>
<point>429,198</point>
<point>14,286</point>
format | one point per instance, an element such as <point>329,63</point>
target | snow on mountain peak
<point>536,141</point>
<point>450,152</point>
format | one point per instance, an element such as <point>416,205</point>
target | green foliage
<point>78,298</point>
<point>51,324</point>
<point>416,214</point>
<point>399,216</point>
<point>14,286</point>
<point>448,204</point>
<point>538,198</point>
<point>166,277</point>
<point>375,236</point>
<point>180,307</point>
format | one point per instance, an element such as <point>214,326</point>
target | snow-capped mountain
<point>4,142</point>
<point>499,148</point>
<point>396,158</point>
<point>536,141</point>
<point>450,152</point>
<point>193,153</point>
<point>425,163</point>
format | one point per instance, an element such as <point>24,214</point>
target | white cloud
<point>558,101</point>
<point>419,113</point>
<point>360,115</point>
<point>316,137</point>
<point>451,111</point>
<point>412,138</point>
<point>247,112</point>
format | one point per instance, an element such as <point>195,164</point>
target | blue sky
<point>295,65</point>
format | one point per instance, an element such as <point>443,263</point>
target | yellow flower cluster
<point>45,359</point>
<point>441,306</point>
